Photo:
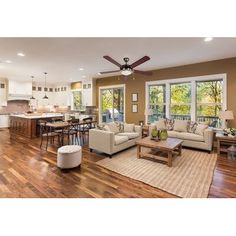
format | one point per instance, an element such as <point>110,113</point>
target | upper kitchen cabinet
<point>19,90</point>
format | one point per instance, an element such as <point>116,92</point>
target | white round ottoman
<point>69,156</point>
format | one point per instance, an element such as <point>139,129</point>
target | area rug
<point>189,177</point>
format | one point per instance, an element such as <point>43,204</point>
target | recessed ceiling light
<point>20,54</point>
<point>84,76</point>
<point>208,39</point>
<point>8,61</point>
<point>81,69</point>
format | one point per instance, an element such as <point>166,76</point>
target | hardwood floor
<point>27,171</point>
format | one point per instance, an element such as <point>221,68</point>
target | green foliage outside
<point>157,99</point>
<point>180,99</point>
<point>77,98</point>
<point>112,97</point>
<point>209,98</point>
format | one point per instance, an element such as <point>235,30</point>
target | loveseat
<point>194,135</point>
<point>113,137</point>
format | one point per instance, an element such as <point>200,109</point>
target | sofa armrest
<point>208,137</point>
<point>138,129</point>
<point>101,140</point>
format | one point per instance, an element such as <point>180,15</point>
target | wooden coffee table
<point>169,146</point>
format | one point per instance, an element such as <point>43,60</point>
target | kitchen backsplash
<point>15,106</point>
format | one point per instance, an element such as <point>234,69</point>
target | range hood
<point>21,97</point>
<point>18,90</point>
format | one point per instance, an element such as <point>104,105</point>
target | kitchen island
<point>26,125</point>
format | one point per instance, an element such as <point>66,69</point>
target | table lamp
<point>225,116</point>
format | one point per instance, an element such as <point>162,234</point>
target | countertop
<point>37,116</point>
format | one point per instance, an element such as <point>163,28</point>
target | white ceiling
<point>62,57</point>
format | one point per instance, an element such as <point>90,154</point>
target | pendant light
<point>45,96</point>
<point>32,97</point>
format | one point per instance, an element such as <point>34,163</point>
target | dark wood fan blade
<point>143,72</point>
<point>140,61</point>
<point>112,61</point>
<point>107,72</point>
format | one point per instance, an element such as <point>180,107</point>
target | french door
<point>111,105</point>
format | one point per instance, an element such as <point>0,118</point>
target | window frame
<point>193,81</point>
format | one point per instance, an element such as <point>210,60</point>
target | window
<point>157,97</point>
<point>197,98</point>
<point>209,101</point>
<point>77,100</point>
<point>180,97</point>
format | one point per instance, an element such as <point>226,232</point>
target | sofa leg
<point>91,150</point>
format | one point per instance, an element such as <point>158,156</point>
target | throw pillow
<point>169,124</point>
<point>100,126</point>
<point>181,125</point>
<point>113,127</point>
<point>128,128</point>
<point>106,128</point>
<point>192,127</point>
<point>161,124</point>
<point>200,129</point>
<point>120,126</point>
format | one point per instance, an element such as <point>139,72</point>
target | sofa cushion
<point>128,128</point>
<point>181,125</point>
<point>113,127</point>
<point>131,135</point>
<point>160,124</point>
<point>172,133</point>
<point>190,136</point>
<point>200,129</point>
<point>120,139</point>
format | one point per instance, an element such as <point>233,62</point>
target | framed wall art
<point>134,97</point>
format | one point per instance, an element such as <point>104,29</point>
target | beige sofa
<point>192,140</point>
<point>110,142</point>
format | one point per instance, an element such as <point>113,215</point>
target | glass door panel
<point>112,105</point>
<point>118,104</point>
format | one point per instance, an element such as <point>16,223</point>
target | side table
<point>145,131</point>
<point>224,142</point>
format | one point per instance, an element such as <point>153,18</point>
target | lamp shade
<point>148,112</point>
<point>226,115</point>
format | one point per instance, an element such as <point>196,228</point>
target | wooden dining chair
<point>46,134</point>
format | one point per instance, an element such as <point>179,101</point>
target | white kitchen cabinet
<point>4,121</point>
<point>19,87</point>
<point>87,97</point>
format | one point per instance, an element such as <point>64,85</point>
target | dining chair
<point>47,134</point>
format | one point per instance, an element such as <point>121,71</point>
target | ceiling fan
<point>127,69</point>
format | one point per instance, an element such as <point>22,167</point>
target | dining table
<point>64,125</point>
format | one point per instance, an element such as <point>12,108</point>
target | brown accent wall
<point>227,66</point>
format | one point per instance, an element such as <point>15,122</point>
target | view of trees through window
<point>112,101</point>
<point>180,100</point>
<point>77,100</point>
<point>157,98</point>
<point>208,100</point>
